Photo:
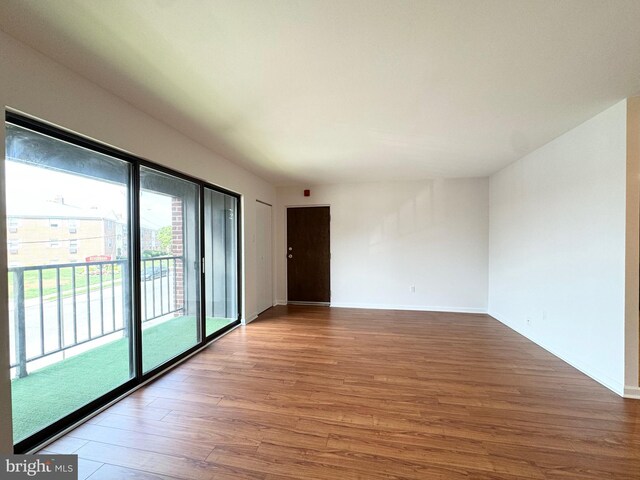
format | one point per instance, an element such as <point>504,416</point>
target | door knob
<point>290,256</point>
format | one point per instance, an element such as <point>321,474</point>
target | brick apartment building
<point>53,232</point>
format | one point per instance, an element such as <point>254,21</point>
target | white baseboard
<point>251,318</point>
<point>632,392</point>
<point>418,308</point>
<point>588,370</point>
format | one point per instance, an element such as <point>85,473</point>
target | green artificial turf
<point>52,392</point>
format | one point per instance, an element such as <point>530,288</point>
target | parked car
<point>156,271</point>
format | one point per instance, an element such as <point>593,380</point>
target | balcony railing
<point>56,308</point>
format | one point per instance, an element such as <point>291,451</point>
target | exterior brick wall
<point>45,241</point>
<point>177,248</point>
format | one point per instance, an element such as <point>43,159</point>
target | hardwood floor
<point>313,392</point>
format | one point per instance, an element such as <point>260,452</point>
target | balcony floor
<point>52,392</point>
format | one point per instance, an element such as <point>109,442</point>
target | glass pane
<point>221,259</point>
<point>170,269</point>
<point>69,283</point>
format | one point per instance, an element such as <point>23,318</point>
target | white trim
<point>419,308</point>
<point>242,208</point>
<point>124,395</point>
<point>632,392</point>
<point>317,304</point>
<point>303,205</point>
<point>603,379</point>
<point>280,302</point>
<point>271,239</point>
<point>252,317</point>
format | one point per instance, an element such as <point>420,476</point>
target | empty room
<point>320,239</point>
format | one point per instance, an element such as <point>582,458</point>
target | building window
<point>73,226</point>
<point>54,243</point>
<point>54,222</point>
<point>13,225</point>
<point>13,246</point>
<point>73,246</point>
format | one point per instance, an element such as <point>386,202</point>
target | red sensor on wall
<point>307,193</point>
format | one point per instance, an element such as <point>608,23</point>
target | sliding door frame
<point>203,305</point>
<point>134,252</point>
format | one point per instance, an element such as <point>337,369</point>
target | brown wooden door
<point>308,257</point>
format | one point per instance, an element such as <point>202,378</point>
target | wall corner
<point>632,247</point>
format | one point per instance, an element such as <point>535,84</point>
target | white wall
<point>31,83</point>
<point>557,246</point>
<point>264,256</point>
<point>386,237</point>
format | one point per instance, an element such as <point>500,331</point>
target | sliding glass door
<point>170,266</point>
<point>118,268</point>
<point>68,235</point>
<point>221,259</point>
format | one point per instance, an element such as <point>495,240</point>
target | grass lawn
<point>52,392</point>
<point>49,280</point>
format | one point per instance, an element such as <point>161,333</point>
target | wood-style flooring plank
<point>143,441</point>
<point>113,472</point>
<point>162,464</point>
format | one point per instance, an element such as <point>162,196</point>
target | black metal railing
<point>153,272</point>
<point>59,307</point>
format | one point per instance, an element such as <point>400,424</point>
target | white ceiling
<point>323,91</point>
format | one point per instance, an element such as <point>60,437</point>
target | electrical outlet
<point>412,289</point>
<point>528,320</point>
